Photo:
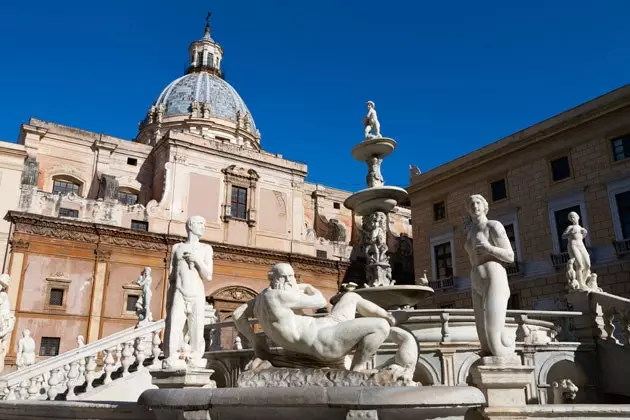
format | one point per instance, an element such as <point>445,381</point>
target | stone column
<point>19,247</point>
<point>98,289</point>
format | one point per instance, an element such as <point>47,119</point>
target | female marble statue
<point>143,305</point>
<point>488,247</point>
<point>575,235</point>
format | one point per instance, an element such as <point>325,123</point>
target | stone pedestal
<point>183,378</point>
<point>503,380</point>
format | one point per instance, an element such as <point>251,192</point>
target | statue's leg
<point>377,129</point>
<point>195,329</point>
<point>407,354</point>
<point>480,322</point>
<point>177,319</point>
<point>497,298</point>
<point>351,303</point>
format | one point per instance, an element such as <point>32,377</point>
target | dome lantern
<point>205,54</point>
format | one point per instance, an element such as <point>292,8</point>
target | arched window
<point>127,196</point>
<point>64,184</point>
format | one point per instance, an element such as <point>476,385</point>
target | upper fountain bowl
<point>378,146</point>
<point>375,199</point>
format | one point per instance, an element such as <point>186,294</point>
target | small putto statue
<point>579,275</point>
<point>143,305</point>
<point>26,350</point>
<point>370,121</point>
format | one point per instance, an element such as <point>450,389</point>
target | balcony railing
<point>513,269</point>
<point>441,284</point>
<point>622,248</point>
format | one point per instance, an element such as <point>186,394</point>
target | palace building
<point>576,161</point>
<point>86,212</point>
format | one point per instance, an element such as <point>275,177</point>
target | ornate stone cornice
<point>114,237</point>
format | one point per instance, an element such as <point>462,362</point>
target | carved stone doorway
<point>225,301</point>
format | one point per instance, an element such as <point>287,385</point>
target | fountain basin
<point>394,297</point>
<point>371,200</point>
<point>313,402</point>
<point>380,146</point>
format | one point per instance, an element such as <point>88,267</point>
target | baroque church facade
<point>86,212</point>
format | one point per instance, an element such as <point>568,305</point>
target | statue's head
<point>574,218</point>
<point>477,205</point>
<point>147,271</point>
<point>370,104</point>
<point>26,333</point>
<point>282,277</point>
<point>196,225</point>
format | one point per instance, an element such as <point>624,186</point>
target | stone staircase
<point>90,369</point>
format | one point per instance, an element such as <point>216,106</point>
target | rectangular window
<point>131,303</point>
<point>621,147</point>
<point>56,297</point>
<point>623,207</point>
<point>238,204</point>
<point>132,161</point>
<point>560,168</point>
<point>514,302</point>
<point>562,222</point>
<point>127,198</point>
<point>321,253</point>
<point>139,225</point>
<point>443,260</point>
<point>49,346</point>
<point>439,211</point>
<point>64,212</point>
<point>499,190</point>
<point>336,206</point>
<point>65,187</point>
<point>509,230</point>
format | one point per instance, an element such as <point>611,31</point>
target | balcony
<point>622,248</point>
<point>442,284</point>
<point>513,269</point>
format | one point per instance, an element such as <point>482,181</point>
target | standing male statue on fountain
<point>370,121</point>
<point>191,264</point>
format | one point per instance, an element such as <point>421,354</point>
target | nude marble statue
<point>327,338</point>
<point>26,350</point>
<point>143,305</point>
<point>191,265</point>
<point>579,266</point>
<point>488,247</point>
<point>371,123</point>
<point>7,321</point>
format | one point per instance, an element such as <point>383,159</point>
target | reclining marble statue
<point>327,339</point>
<point>488,247</point>
<point>191,265</point>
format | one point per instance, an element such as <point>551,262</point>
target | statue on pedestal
<point>488,247</point>
<point>579,275</point>
<point>370,121</point>
<point>326,339</point>
<point>143,305</point>
<point>26,350</point>
<point>7,321</point>
<point>191,264</point>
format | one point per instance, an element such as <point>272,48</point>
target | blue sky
<point>447,77</point>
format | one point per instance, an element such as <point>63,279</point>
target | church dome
<point>204,88</point>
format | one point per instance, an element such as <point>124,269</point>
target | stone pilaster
<point>19,248</point>
<point>98,290</point>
